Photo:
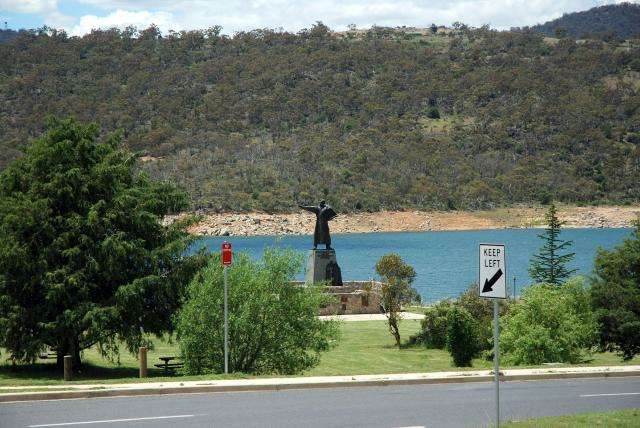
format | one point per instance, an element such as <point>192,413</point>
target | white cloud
<point>122,19</point>
<point>48,9</point>
<point>293,15</point>
<point>56,19</point>
<point>236,15</point>
<point>28,6</point>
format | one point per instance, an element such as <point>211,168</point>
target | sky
<point>78,17</point>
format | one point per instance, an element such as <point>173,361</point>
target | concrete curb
<point>327,382</point>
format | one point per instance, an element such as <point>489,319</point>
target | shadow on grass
<point>46,372</point>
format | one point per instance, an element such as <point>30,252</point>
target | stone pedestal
<point>322,265</point>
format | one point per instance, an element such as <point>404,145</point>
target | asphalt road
<point>464,404</point>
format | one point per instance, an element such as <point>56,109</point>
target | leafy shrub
<point>433,328</point>
<point>461,336</point>
<point>482,311</point>
<point>273,325</point>
<point>549,324</point>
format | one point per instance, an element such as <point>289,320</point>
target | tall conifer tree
<point>549,265</point>
<point>84,258</point>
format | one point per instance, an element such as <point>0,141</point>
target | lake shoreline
<point>518,217</point>
<point>446,262</point>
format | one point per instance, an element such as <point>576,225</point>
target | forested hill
<point>7,35</point>
<point>264,119</point>
<point>621,20</point>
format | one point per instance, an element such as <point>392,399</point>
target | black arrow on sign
<point>488,283</point>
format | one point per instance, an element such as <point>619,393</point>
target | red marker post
<point>227,260</point>
<point>227,254</point>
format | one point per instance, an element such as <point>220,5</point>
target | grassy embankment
<point>618,419</point>
<point>364,348</point>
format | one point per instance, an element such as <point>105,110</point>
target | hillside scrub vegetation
<point>468,119</point>
<point>273,324</point>
<point>606,22</point>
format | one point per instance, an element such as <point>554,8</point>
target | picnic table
<point>48,355</point>
<point>167,364</point>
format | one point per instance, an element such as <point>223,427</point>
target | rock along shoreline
<point>264,224</point>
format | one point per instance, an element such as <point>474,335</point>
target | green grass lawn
<point>364,348</point>
<point>619,419</point>
<point>367,347</point>
<point>415,309</point>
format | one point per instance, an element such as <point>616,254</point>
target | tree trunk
<point>75,354</point>
<point>71,347</point>
<point>395,331</point>
<point>396,334</point>
<point>61,351</point>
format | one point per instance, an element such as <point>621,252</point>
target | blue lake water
<point>446,263</point>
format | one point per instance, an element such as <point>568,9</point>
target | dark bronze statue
<point>323,213</point>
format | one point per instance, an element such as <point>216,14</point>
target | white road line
<point>611,395</point>
<point>112,421</point>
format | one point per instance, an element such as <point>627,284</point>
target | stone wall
<point>354,297</point>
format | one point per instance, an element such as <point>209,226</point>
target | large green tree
<point>549,265</point>
<point>84,258</point>
<point>615,293</point>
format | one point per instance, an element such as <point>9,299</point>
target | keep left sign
<point>493,272</point>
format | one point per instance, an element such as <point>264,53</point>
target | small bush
<point>273,325</point>
<point>482,311</point>
<point>462,336</point>
<point>549,324</point>
<point>433,113</point>
<point>433,327</point>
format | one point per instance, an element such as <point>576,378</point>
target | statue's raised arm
<point>309,208</point>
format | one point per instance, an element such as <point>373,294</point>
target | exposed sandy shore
<point>252,224</point>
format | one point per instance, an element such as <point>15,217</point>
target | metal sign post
<point>496,359</point>
<point>492,285</point>
<point>226,325</point>
<point>227,259</point>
